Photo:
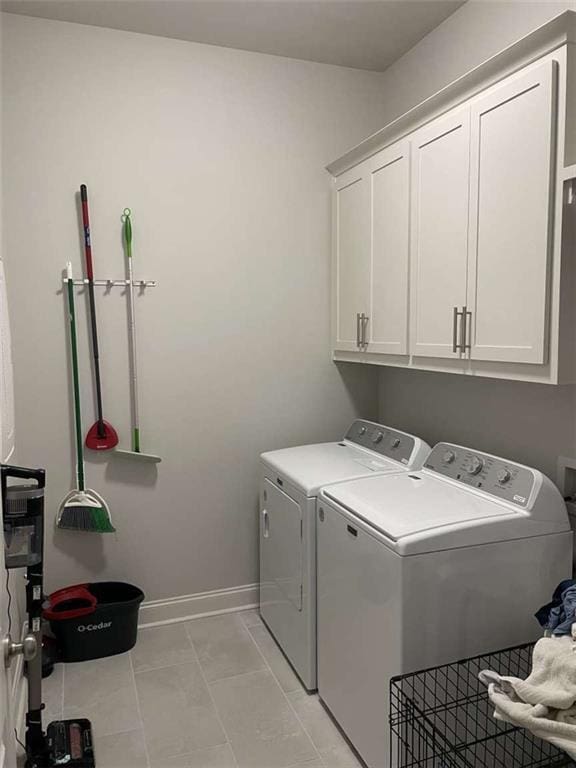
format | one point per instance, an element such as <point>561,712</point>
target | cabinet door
<point>510,227</point>
<point>390,210</point>
<point>352,255</point>
<point>439,232</point>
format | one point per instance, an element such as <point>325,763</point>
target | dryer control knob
<point>503,476</point>
<point>362,430</point>
<point>378,437</point>
<point>474,465</point>
<point>448,457</point>
<point>396,442</point>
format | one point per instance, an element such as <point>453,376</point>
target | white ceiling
<point>368,34</point>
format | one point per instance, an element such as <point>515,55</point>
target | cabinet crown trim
<point>561,30</point>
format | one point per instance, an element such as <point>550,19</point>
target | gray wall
<point>531,423</point>
<point>475,32</point>
<point>220,155</point>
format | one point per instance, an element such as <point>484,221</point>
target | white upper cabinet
<point>512,196</point>
<point>439,241</point>
<point>387,327</point>
<point>352,258</point>
<point>454,226</point>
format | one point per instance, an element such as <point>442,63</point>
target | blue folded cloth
<point>559,615</point>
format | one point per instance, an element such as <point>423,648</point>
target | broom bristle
<point>102,521</point>
<point>81,511</point>
<point>82,518</point>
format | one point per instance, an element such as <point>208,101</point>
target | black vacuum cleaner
<point>65,742</point>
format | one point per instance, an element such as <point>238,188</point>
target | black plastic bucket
<point>90,621</point>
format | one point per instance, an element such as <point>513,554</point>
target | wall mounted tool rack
<point>112,283</point>
<point>108,285</point>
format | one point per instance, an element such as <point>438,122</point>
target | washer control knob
<point>396,442</point>
<point>448,457</point>
<point>503,475</point>
<point>378,437</point>
<point>474,465</point>
<point>362,430</point>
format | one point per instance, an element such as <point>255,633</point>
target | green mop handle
<point>75,379</point>
<point>127,231</point>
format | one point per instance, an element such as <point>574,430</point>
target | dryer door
<point>280,548</point>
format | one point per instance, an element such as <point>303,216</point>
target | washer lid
<point>416,512</point>
<point>309,467</point>
<point>412,505</point>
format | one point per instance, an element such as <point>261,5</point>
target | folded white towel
<point>544,703</point>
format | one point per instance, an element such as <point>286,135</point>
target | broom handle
<point>76,381</point>
<point>132,319</point>
<point>90,276</point>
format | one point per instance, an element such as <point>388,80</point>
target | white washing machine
<point>290,481</point>
<point>423,568</point>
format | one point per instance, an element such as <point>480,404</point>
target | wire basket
<point>442,718</point>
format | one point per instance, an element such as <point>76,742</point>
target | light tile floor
<point>209,693</point>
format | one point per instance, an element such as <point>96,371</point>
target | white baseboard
<point>175,609</point>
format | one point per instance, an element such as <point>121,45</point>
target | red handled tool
<point>70,603</point>
<point>101,436</point>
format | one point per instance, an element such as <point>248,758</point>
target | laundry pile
<point>557,616</point>
<point>544,703</point>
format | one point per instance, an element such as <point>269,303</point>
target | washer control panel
<point>497,477</point>
<point>383,440</point>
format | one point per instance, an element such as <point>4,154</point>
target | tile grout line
<point>286,697</point>
<point>121,733</point>
<point>216,712</point>
<point>162,666</point>
<point>233,677</point>
<point>138,709</point>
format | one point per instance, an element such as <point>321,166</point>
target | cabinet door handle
<point>365,319</point>
<point>455,316</point>
<point>466,329</point>
<point>358,329</point>
<point>265,524</point>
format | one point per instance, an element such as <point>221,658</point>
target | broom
<point>81,509</point>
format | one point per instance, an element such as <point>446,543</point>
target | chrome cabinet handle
<point>365,319</point>
<point>358,329</point>
<point>265,524</point>
<point>455,316</point>
<point>466,329</point>
<point>462,344</point>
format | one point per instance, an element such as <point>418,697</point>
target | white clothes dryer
<point>290,481</point>
<point>424,568</point>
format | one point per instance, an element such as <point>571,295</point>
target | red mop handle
<point>86,224</point>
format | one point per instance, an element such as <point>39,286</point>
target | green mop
<point>136,451</point>
<point>81,509</point>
